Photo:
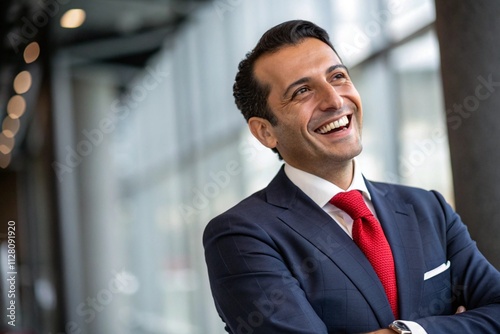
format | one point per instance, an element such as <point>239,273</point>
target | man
<point>289,260</point>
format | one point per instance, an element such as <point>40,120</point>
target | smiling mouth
<point>338,125</point>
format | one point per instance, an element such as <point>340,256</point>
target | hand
<point>460,309</point>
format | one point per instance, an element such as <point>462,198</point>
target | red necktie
<point>369,236</point>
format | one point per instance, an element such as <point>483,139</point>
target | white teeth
<point>334,125</point>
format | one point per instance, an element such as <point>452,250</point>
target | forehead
<point>309,58</point>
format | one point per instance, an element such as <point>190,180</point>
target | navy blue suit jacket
<point>278,263</point>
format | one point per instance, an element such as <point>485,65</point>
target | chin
<point>347,156</point>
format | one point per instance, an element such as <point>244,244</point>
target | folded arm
<point>251,284</point>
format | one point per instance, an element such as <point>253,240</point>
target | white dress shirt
<point>321,191</point>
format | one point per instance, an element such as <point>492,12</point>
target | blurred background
<point>120,140</point>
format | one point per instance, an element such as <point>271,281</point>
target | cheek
<point>291,135</point>
<point>295,119</point>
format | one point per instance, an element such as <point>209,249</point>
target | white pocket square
<point>437,270</point>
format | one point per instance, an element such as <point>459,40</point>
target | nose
<point>330,98</point>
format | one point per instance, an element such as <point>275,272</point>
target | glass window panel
<point>424,157</point>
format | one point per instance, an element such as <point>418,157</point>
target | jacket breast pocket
<point>437,298</point>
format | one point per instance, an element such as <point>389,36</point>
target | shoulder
<point>249,206</point>
<point>278,195</point>
<point>252,209</point>
<point>258,215</point>
<point>402,191</point>
<point>249,211</point>
<point>420,199</point>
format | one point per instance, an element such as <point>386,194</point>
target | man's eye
<point>339,79</point>
<point>299,91</point>
<point>339,76</point>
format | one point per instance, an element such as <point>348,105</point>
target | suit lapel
<point>318,228</point>
<point>400,225</point>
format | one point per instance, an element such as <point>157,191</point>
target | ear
<point>263,130</point>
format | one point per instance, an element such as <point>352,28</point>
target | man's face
<point>318,108</point>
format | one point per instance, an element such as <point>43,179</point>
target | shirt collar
<point>321,190</point>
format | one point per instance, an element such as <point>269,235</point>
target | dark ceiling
<point>114,30</point>
<point>121,32</point>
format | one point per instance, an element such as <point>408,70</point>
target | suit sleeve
<point>253,289</point>
<point>475,282</point>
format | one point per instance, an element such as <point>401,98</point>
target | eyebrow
<point>306,79</point>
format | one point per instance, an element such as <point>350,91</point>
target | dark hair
<point>250,95</point>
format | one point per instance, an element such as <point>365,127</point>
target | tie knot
<point>352,203</point>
